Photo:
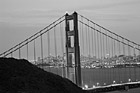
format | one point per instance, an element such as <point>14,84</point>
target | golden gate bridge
<point>83,51</point>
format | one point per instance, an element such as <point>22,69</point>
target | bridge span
<point>75,47</point>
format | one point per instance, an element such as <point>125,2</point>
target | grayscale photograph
<point>69,46</point>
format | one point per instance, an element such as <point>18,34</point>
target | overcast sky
<point>20,19</point>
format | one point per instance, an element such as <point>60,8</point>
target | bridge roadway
<point>114,87</point>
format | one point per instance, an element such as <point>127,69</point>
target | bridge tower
<point>72,50</point>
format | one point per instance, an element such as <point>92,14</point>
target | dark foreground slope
<point>20,76</point>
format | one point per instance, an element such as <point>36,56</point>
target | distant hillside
<point>20,76</point>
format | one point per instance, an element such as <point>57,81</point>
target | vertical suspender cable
<point>41,49</point>
<point>129,54</point>
<point>115,48</point>
<point>86,40</point>
<point>27,49</point>
<point>103,38</point>
<point>112,45</point>
<point>103,56</point>
<point>55,45</point>
<point>109,59</point>
<point>114,70</point>
<point>119,46</point>
<point>101,60</point>
<point>11,54</point>
<point>95,42</point>
<point>35,53</point>
<point>19,52</point>
<point>92,39</point>
<point>112,49</point>
<point>4,54</point>
<point>138,60</point>
<point>134,62</point>
<point>121,76</point>
<point>62,43</point>
<point>98,44</point>
<point>82,37</point>
<point>123,47</point>
<point>88,37</point>
<point>101,43</point>
<point>139,49</point>
<point>92,43</point>
<point>106,43</point>
<point>83,43</point>
<point>118,49</point>
<point>48,37</point>
<point>109,48</point>
<point>111,56</point>
<point>121,53</point>
<point>125,75</point>
<point>62,49</point>
<point>128,49</point>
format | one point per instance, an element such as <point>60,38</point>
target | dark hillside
<point>20,76</point>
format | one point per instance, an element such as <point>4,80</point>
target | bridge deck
<point>114,87</point>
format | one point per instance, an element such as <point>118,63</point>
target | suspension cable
<point>33,36</point>
<point>108,30</point>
